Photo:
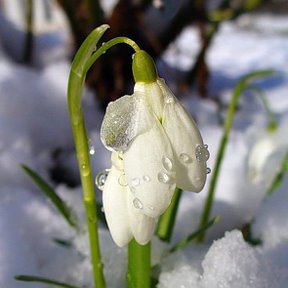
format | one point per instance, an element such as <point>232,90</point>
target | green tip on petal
<point>143,66</point>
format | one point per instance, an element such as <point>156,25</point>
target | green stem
<point>240,87</point>
<point>105,46</point>
<point>167,220</point>
<point>82,62</point>
<point>91,220</point>
<point>75,87</point>
<point>139,265</point>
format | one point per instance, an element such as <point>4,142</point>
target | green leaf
<point>87,49</point>
<point>181,244</point>
<point>29,278</point>
<point>60,205</point>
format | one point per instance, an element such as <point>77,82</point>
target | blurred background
<point>201,48</point>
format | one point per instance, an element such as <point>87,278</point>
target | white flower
<point>158,148</point>
<point>265,157</point>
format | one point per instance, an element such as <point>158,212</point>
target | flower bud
<point>143,66</point>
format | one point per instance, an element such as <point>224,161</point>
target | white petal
<point>190,154</point>
<point>115,208</point>
<point>265,159</point>
<point>152,93</point>
<point>149,167</point>
<point>120,124</point>
<point>141,225</point>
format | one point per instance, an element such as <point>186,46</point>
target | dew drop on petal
<point>135,182</point>
<point>163,177</point>
<point>167,163</point>
<point>201,152</point>
<point>122,180</point>
<point>208,170</point>
<point>101,179</point>
<point>146,178</point>
<point>169,100</point>
<point>151,207</point>
<point>137,203</point>
<point>133,189</point>
<point>185,158</point>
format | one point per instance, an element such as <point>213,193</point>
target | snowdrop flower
<point>266,156</point>
<point>155,146</point>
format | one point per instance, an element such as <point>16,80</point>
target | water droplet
<point>162,177</point>
<point>133,189</point>
<point>137,203</point>
<point>135,182</point>
<point>169,100</point>
<point>103,52</point>
<point>122,180</point>
<point>207,153</point>
<point>185,158</point>
<point>146,178</point>
<point>101,179</point>
<point>92,149</point>
<point>85,169</point>
<point>92,219</point>
<point>201,152</point>
<point>150,207</point>
<point>120,155</point>
<point>102,209</point>
<point>208,170</point>
<point>103,43</point>
<point>167,163</point>
<point>133,55</point>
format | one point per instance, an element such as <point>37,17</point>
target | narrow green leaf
<point>61,206</point>
<point>87,49</point>
<point>182,243</point>
<point>30,278</point>
<point>243,84</point>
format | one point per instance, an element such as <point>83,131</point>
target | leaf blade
<point>59,204</point>
<point>37,279</point>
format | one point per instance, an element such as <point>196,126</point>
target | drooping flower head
<point>155,146</point>
<point>266,156</point>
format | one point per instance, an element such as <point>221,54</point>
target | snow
<point>34,123</point>
<point>229,262</point>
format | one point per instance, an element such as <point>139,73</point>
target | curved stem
<point>240,87</point>
<point>82,62</point>
<point>106,46</point>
